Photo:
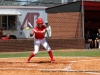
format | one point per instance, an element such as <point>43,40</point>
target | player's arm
<point>43,31</point>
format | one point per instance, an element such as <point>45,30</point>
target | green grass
<point>80,53</point>
<point>85,53</point>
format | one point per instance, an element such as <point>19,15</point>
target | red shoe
<point>27,61</point>
<point>31,55</point>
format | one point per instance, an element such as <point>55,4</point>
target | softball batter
<point>39,32</point>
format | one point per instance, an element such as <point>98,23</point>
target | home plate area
<point>42,66</point>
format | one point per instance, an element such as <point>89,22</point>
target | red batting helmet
<point>39,21</point>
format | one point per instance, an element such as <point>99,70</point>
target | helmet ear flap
<point>39,21</point>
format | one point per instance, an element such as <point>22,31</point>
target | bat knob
<point>31,35</point>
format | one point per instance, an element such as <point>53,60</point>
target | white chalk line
<point>72,62</point>
<point>52,70</point>
<point>69,66</point>
<point>98,73</point>
<point>89,72</point>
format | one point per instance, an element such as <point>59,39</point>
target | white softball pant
<point>37,43</point>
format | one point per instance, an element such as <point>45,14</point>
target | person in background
<point>7,37</point>
<point>48,30</point>
<point>88,40</point>
<point>97,38</point>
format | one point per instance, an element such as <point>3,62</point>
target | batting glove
<point>31,35</point>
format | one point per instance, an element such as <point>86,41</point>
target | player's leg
<point>36,49</point>
<point>31,55</point>
<point>47,47</point>
<point>95,43</point>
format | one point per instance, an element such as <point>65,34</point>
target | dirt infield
<point>42,66</point>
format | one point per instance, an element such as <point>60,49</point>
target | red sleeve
<point>4,38</point>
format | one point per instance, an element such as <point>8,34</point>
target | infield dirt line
<point>48,57</point>
<point>64,61</point>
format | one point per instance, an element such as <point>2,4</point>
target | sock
<point>31,55</point>
<point>51,55</point>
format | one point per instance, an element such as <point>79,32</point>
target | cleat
<point>28,61</point>
<point>53,61</point>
